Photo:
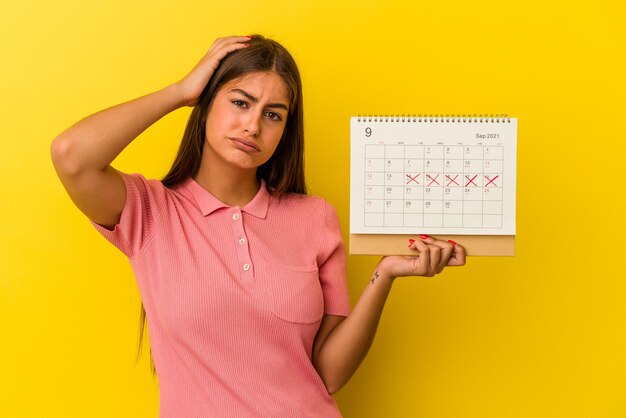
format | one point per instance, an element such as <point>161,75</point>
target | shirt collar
<point>209,203</point>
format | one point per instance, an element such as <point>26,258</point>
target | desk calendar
<point>433,175</point>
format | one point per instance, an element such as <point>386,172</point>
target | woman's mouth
<point>245,145</point>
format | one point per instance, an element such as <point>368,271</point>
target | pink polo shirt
<point>234,296</point>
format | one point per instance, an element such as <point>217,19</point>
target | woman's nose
<point>252,123</point>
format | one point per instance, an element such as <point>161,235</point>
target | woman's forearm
<point>94,142</point>
<point>347,345</point>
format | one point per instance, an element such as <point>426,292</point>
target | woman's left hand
<point>433,256</point>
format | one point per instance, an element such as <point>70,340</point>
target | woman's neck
<point>234,188</point>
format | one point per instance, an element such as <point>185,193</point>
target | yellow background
<point>537,335</point>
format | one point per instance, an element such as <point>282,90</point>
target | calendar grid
<point>433,186</point>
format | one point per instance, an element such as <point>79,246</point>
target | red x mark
<point>471,180</point>
<point>452,180</point>
<point>432,180</point>
<point>491,181</point>
<point>412,179</point>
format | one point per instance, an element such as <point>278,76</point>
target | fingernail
<point>246,44</point>
<point>452,242</point>
<point>249,37</point>
<point>424,236</point>
<point>411,241</point>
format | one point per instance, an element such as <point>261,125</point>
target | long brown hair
<point>284,171</point>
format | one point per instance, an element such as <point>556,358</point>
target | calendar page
<point>423,175</point>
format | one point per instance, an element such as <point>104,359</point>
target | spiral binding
<point>436,118</point>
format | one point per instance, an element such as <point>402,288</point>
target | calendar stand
<point>397,244</point>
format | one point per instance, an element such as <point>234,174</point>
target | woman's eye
<point>239,103</point>
<point>273,116</point>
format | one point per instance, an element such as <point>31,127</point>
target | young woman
<point>242,275</point>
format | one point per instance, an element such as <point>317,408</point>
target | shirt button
<point>242,241</point>
<point>246,267</point>
<point>236,217</point>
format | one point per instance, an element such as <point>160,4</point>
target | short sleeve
<point>144,198</point>
<point>332,269</point>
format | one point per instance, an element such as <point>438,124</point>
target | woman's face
<point>246,121</point>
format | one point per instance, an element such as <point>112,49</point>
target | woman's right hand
<point>192,85</point>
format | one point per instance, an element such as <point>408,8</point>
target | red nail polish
<point>411,241</point>
<point>424,236</point>
<point>451,242</point>
<point>249,37</point>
